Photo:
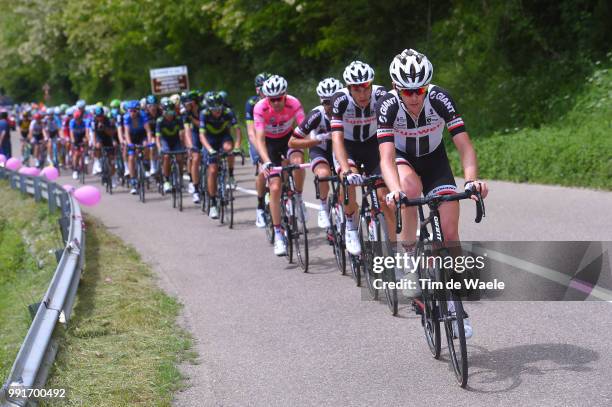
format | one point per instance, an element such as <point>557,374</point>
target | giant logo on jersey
<point>442,98</point>
<point>386,105</point>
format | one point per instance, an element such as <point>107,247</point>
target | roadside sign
<point>169,80</point>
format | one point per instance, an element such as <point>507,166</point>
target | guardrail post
<point>37,194</point>
<point>12,180</point>
<point>51,197</point>
<point>2,173</point>
<point>22,183</point>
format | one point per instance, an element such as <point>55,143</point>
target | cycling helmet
<point>37,116</point>
<point>70,111</point>
<point>98,111</point>
<point>410,70</point>
<point>143,103</point>
<point>176,98</point>
<point>151,100</point>
<point>327,87</point>
<point>214,101</point>
<point>164,100</point>
<point>63,108</point>
<point>77,113</point>
<point>132,105</point>
<point>261,78</point>
<point>274,86</point>
<point>57,110</point>
<point>80,104</point>
<point>358,72</point>
<point>115,104</point>
<point>168,106</point>
<point>223,95</point>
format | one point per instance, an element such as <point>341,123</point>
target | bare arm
<point>388,166</point>
<point>260,139</point>
<point>340,150</point>
<point>468,156</point>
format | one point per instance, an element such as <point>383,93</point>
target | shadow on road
<point>502,370</point>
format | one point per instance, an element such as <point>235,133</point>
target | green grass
<point>574,151</point>
<point>122,345</point>
<point>27,233</point>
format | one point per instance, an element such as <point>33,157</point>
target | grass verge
<point>123,345</point>
<point>27,233</point>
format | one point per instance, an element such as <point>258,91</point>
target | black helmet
<point>261,78</point>
<point>214,101</point>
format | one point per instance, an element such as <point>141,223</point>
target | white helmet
<point>274,86</point>
<point>358,72</point>
<point>143,103</point>
<point>327,87</point>
<point>410,70</point>
<point>176,98</point>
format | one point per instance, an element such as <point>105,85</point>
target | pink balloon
<point>2,158</point>
<point>88,195</point>
<point>13,164</point>
<point>34,172</point>
<point>51,173</point>
<point>24,170</point>
<point>68,188</point>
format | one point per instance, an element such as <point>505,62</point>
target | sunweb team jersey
<point>278,124</point>
<point>315,121</point>
<point>422,136</point>
<point>356,123</point>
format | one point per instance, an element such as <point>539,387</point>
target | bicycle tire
<point>301,235</point>
<point>430,318</point>
<point>338,238</point>
<point>458,360</point>
<point>367,257</point>
<point>205,196</point>
<point>230,200</point>
<point>269,226</point>
<point>388,275</point>
<point>173,185</point>
<point>82,169</point>
<point>221,195</point>
<point>179,190</point>
<point>141,181</point>
<point>286,222</point>
<point>355,262</point>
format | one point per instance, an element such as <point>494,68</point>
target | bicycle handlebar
<point>480,206</point>
<point>318,179</point>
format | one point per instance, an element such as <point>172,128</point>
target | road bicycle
<point>335,213</point>
<point>176,178</point>
<point>106,165</point>
<point>293,220</point>
<point>141,178</point>
<point>225,191</point>
<point>441,305</point>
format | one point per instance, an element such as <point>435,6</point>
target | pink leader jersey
<point>278,124</point>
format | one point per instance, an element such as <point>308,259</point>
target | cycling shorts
<point>216,143</point>
<point>278,149</point>
<point>433,168</point>
<point>362,153</point>
<point>319,155</point>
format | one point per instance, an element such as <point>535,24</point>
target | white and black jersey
<point>357,124</point>
<point>316,121</point>
<point>421,136</point>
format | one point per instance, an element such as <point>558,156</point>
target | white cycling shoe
<point>167,187</point>
<point>196,198</point>
<point>322,219</point>
<point>191,188</point>
<point>213,213</point>
<point>467,326</point>
<point>352,242</point>
<point>75,175</point>
<point>97,168</point>
<point>260,221</point>
<point>280,248</point>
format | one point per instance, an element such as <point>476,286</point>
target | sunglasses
<point>409,92</point>
<point>365,85</point>
<point>277,99</point>
<point>326,102</point>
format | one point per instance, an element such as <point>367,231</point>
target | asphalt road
<point>269,335</point>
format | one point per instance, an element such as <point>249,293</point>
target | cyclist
<point>275,118</point>
<point>36,137</point>
<point>260,181</point>
<point>315,133</point>
<point>5,134</point>
<point>354,143</point>
<point>191,121</point>
<point>216,123</point>
<point>224,99</point>
<point>411,120</point>
<point>105,133</point>
<point>169,136</point>
<point>137,131</point>
<point>24,129</point>
<point>51,129</point>
<point>153,113</point>
<point>79,139</point>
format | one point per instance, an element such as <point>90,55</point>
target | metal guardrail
<point>37,353</point>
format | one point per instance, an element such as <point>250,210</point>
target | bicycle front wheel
<point>141,181</point>
<point>455,337</point>
<point>388,275</point>
<point>367,248</point>
<point>230,205</point>
<point>336,228</point>
<point>300,234</point>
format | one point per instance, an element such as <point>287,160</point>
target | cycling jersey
<point>36,126</point>
<point>105,131</point>
<point>137,130</point>
<point>316,121</point>
<point>249,107</point>
<point>168,132</point>
<point>422,136</point>
<point>53,124</point>
<point>192,119</point>
<point>79,130</point>
<point>216,127</point>
<point>418,143</point>
<point>277,125</point>
<point>356,123</point>
<point>24,126</point>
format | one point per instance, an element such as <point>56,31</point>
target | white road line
<point>253,192</point>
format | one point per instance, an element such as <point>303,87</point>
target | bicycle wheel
<point>141,181</point>
<point>230,207</point>
<point>269,226</point>
<point>205,197</point>
<point>336,221</point>
<point>106,169</point>
<point>386,251</point>
<point>286,223</point>
<point>457,346</point>
<point>429,310</point>
<point>368,256</point>
<point>300,235</point>
<point>173,183</point>
<point>83,168</point>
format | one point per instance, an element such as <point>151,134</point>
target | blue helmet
<point>133,105</point>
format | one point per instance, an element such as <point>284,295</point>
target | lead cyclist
<point>411,119</point>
